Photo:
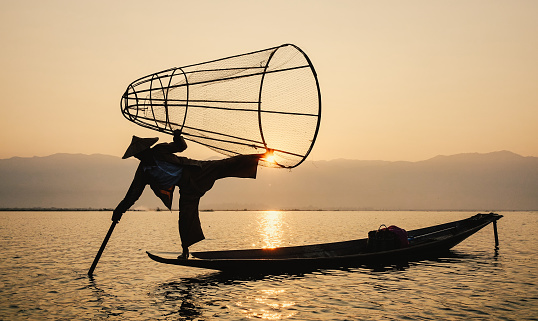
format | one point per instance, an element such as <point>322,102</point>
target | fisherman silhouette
<point>162,170</point>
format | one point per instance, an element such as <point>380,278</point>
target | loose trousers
<point>196,181</point>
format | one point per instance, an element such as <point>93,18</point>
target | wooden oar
<point>105,241</point>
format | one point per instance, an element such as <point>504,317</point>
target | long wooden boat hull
<point>426,242</point>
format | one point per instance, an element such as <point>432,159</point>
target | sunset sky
<point>400,80</point>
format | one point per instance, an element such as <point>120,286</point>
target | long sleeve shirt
<point>161,153</point>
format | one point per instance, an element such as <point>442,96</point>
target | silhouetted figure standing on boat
<point>162,170</point>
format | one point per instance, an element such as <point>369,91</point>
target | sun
<point>270,158</point>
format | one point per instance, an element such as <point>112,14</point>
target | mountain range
<point>483,182</point>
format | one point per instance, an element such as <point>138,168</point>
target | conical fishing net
<point>244,104</point>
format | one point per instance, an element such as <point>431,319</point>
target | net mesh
<point>244,104</point>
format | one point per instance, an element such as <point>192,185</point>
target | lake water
<point>46,255</point>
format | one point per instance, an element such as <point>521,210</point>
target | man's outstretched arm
<point>133,194</point>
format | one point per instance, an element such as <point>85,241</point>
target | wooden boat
<point>423,243</point>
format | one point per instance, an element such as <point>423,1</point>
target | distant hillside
<point>64,180</point>
<point>493,181</point>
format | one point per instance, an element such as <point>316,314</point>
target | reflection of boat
<point>425,242</point>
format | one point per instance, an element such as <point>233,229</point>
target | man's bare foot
<point>184,255</point>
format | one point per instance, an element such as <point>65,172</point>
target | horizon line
<point>306,160</point>
<point>90,209</point>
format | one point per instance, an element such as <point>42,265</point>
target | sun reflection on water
<point>269,305</point>
<point>270,225</point>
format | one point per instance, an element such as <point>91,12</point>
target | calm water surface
<point>46,255</point>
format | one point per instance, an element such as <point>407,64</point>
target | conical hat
<point>138,145</point>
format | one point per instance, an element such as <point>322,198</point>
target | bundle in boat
<point>244,104</point>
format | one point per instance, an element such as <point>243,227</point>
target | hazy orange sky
<point>400,80</point>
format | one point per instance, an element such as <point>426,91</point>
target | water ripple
<point>46,257</point>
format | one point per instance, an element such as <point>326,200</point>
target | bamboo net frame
<point>243,104</point>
